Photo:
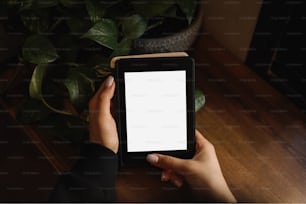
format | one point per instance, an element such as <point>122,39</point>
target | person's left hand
<point>102,126</point>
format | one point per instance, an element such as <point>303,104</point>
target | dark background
<point>278,48</point>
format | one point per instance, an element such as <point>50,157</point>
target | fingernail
<point>152,158</point>
<point>178,183</point>
<point>109,81</point>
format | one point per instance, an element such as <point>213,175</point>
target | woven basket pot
<point>180,41</point>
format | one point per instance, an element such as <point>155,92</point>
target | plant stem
<point>54,109</point>
<point>55,24</point>
<point>154,25</point>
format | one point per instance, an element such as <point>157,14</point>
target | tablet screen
<point>156,110</point>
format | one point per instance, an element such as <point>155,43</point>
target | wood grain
<point>259,135</point>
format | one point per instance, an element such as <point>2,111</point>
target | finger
<point>165,175</point>
<point>99,91</point>
<point>103,86</point>
<point>200,141</point>
<point>106,95</point>
<point>177,181</point>
<point>168,162</point>
<point>168,175</point>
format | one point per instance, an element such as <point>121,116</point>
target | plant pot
<point>180,41</point>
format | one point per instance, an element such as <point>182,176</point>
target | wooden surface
<point>25,173</point>
<point>259,136</point>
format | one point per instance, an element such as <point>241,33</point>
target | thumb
<point>200,141</point>
<point>168,162</point>
<point>106,93</point>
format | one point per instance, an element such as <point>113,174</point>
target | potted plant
<point>69,43</point>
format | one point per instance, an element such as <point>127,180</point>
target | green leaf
<point>123,48</point>
<point>134,26</point>
<point>38,49</point>
<point>32,111</point>
<point>199,99</point>
<point>36,81</point>
<point>103,71</point>
<point>104,32</point>
<point>154,25</point>
<point>37,4</point>
<point>150,8</point>
<point>100,65</point>
<point>36,84</point>
<point>188,7</point>
<point>95,9</point>
<point>80,89</point>
<point>35,21</point>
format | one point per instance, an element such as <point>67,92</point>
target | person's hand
<point>102,126</point>
<point>202,172</point>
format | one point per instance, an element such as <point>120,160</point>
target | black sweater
<point>92,179</point>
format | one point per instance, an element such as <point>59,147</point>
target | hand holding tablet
<point>200,172</point>
<point>155,99</point>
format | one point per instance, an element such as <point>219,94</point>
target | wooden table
<point>259,136</point>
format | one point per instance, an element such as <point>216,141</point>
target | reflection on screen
<point>156,111</point>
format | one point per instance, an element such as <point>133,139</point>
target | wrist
<point>109,145</point>
<point>224,194</point>
<point>94,139</point>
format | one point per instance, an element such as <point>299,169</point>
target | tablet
<point>155,107</point>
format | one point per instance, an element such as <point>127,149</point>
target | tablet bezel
<point>153,64</point>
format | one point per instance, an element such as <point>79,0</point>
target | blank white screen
<point>156,111</point>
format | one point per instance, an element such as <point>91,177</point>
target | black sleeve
<point>92,179</point>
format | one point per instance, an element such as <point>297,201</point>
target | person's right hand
<point>202,172</point>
